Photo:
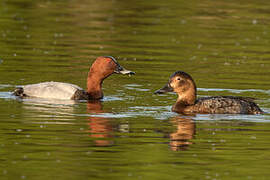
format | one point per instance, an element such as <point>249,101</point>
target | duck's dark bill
<point>119,69</point>
<point>124,71</point>
<point>166,88</point>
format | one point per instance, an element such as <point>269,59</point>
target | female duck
<point>183,84</point>
<point>102,68</point>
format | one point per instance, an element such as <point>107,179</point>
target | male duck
<point>183,84</point>
<point>102,68</point>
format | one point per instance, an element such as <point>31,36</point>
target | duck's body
<point>220,105</point>
<point>101,69</point>
<point>51,90</point>
<point>183,84</point>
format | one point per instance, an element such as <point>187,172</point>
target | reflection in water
<point>39,108</point>
<point>185,130</point>
<point>100,127</point>
<point>63,109</point>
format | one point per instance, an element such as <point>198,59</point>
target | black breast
<point>80,95</point>
<point>226,105</point>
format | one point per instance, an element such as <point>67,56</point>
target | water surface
<point>132,133</point>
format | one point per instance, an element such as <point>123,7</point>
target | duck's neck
<point>94,86</point>
<point>185,99</point>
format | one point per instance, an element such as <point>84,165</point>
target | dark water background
<point>132,134</point>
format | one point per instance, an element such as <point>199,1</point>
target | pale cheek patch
<point>172,85</point>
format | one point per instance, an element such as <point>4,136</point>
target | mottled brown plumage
<point>183,84</point>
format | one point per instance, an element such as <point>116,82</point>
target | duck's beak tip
<point>127,72</point>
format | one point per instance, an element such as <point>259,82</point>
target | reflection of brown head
<point>99,127</point>
<point>185,130</point>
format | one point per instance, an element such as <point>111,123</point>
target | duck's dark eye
<point>179,79</point>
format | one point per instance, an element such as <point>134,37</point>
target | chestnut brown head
<point>104,66</point>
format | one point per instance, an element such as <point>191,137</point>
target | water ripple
<point>235,90</point>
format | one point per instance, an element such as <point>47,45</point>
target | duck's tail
<point>18,92</point>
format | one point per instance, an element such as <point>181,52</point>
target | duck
<point>101,68</point>
<point>187,102</point>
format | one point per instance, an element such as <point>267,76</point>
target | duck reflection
<point>100,128</point>
<point>185,130</point>
<point>38,107</point>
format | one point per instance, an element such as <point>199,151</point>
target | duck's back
<point>56,90</point>
<point>226,105</point>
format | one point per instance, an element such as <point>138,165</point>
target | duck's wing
<point>226,105</point>
<point>55,90</point>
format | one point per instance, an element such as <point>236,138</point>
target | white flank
<point>54,90</point>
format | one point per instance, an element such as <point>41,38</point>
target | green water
<point>132,134</point>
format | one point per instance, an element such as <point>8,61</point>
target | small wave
<point>164,112</point>
<point>224,117</point>
<point>2,86</point>
<point>112,98</point>
<point>235,90</point>
<point>135,87</point>
<point>157,112</point>
<point>7,95</point>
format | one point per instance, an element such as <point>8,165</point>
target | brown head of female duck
<point>183,84</point>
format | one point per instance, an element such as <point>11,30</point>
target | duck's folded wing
<point>226,104</point>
